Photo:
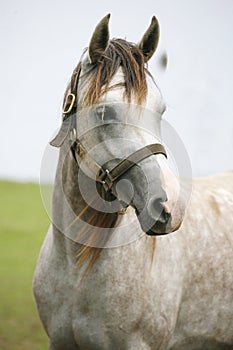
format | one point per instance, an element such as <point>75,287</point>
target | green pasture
<point>23,224</point>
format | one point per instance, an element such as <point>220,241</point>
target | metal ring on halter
<point>66,111</point>
<point>73,135</point>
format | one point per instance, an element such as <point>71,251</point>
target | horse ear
<point>150,39</point>
<point>99,40</point>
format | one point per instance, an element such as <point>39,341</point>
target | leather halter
<point>104,176</point>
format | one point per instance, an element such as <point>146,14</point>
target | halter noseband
<point>108,177</point>
<point>104,176</point>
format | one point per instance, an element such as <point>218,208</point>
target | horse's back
<point>209,213</point>
<point>222,180</point>
<point>206,308</point>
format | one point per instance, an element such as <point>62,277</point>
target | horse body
<point>181,300</point>
<point>170,292</point>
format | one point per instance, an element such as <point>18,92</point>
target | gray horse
<point>103,280</point>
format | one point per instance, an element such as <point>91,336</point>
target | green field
<point>23,224</point>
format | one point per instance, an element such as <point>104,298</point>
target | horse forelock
<point>119,54</point>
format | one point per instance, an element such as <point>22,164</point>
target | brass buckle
<point>123,210</point>
<point>105,179</point>
<point>72,96</point>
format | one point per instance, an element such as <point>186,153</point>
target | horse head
<point>113,110</point>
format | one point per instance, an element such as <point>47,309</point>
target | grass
<point>23,225</point>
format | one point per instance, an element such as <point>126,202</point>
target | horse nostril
<point>164,217</point>
<point>156,218</point>
<point>158,209</point>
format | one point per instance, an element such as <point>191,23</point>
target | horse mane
<point>127,56</point>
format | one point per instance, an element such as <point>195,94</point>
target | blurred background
<point>41,42</point>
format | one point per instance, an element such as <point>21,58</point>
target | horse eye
<point>105,113</point>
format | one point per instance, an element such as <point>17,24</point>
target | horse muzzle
<point>155,219</point>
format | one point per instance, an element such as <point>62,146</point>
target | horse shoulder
<point>53,291</point>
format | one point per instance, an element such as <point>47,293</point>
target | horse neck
<point>71,213</point>
<point>79,240</point>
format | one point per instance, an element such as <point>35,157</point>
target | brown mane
<point>127,56</point>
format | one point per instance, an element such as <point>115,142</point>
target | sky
<point>42,41</point>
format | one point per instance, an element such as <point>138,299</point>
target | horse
<point>129,262</point>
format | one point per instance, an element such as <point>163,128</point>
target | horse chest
<point>124,308</point>
<point>118,305</point>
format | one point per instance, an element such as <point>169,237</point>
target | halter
<point>105,177</point>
